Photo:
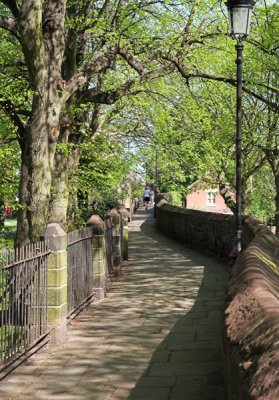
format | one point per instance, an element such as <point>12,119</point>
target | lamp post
<point>239,13</point>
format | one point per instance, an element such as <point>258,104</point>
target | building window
<point>211,198</point>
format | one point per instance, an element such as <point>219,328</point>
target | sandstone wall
<point>251,328</point>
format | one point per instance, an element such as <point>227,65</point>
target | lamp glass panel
<point>241,17</point>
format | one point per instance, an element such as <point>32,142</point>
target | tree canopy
<point>83,81</point>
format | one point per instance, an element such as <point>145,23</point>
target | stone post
<point>131,202</point>
<point>124,245</point>
<point>56,240</point>
<point>116,241</point>
<point>99,256</point>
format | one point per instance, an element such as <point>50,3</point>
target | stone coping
<point>252,321</point>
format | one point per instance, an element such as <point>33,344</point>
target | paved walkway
<point>157,336</point>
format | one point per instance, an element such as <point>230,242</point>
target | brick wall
<point>251,329</point>
<point>198,200</point>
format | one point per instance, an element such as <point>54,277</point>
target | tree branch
<point>9,24</point>
<point>14,63</point>
<point>228,196</point>
<point>271,52</point>
<point>9,109</point>
<point>189,22</point>
<point>175,61</point>
<point>100,64</point>
<point>8,140</point>
<point>203,37</point>
<point>114,22</point>
<point>97,96</point>
<point>131,60</point>
<point>258,165</point>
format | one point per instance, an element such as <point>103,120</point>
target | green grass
<point>7,235</point>
<point>12,340</point>
<point>10,224</point>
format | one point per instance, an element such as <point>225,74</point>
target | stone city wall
<point>251,329</point>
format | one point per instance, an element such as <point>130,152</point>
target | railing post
<point>56,240</point>
<point>99,256</point>
<point>116,241</point>
<point>124,245</point>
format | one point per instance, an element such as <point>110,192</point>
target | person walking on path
<point>146,197</point>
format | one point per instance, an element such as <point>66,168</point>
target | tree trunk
<point>276,176</point>
<point>73,212</point>
<point>60,187</point>
<point>74,219</point>
<point>275,169</point>
<point>228,196</point>
<point>60,191</point>
<point>2,214</point>
<point>35,184</point>
<point>41,35</point>
<point>246,200</point>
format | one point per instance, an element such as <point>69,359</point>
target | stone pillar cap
<point>97,224</point>
<point>55,237</point>
<point>54,229</point>
<point>95,220</point>
<point>113,213</point>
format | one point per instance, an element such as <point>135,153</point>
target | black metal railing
<point>24,290</point>
<point>23,299</point>
<point>80,268</point>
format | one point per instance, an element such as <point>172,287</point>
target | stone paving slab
<point>156,336</point>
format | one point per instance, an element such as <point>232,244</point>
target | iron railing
<point>80,268</point>
<point>23,300</point>
<point>24,289</point>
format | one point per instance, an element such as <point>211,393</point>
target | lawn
<point>7,235</point>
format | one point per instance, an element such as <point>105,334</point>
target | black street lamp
<point>239,13</point>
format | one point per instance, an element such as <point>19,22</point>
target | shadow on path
<point>188,363</point>
<point>157,336</point>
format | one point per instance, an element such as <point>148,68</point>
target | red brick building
<point>206,199</point>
